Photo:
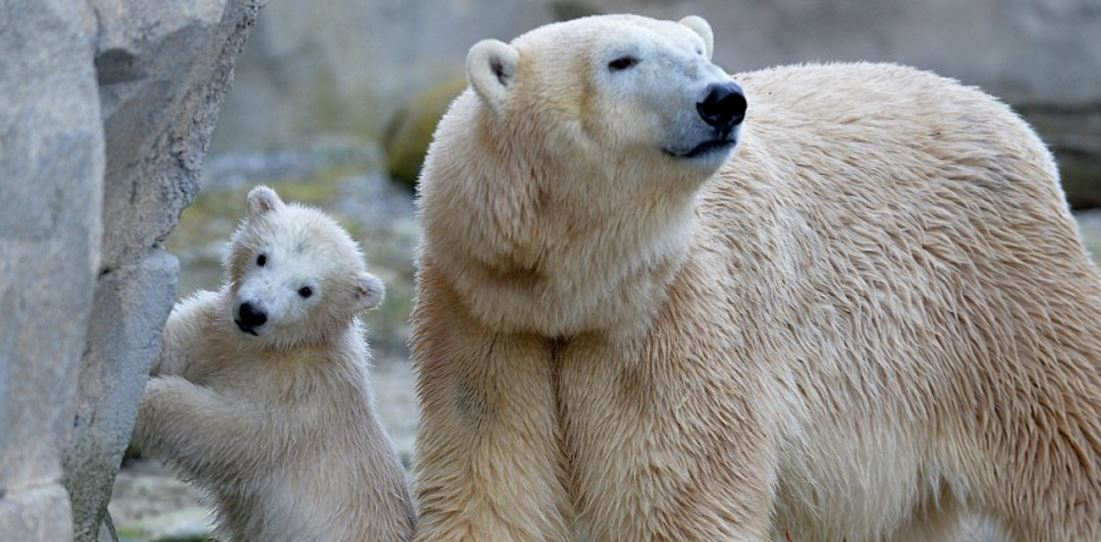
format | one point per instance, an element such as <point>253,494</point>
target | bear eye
<point>622,63</point>
<point>261,260</point>
<point>305,292</point>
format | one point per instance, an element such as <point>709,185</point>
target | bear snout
<point>249,317</point>
<point>723,106</point>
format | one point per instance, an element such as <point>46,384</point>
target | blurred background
<point>335,102</point>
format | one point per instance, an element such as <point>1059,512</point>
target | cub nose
<point>250,317</point>
<point>723,107</point>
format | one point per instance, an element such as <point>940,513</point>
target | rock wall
<point>106,110</point>
<point>51,170</point>
<point>343,65</point>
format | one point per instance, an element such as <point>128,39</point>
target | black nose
<point>250,317</point>
<point>723,107</point>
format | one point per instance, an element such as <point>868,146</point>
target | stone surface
<point>51,165</point>
<point>106,109</point>
<point>162,69</point>
<point>345,65</point>
<point>410,130</point>
<point>130,307</point>
<point>39,515</point>
<point>1074,134</point>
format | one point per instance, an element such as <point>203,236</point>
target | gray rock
<point>107,530</point>
<point>130,307</point>
<point>345,65</point>
<point>40,514</point>
<point>106,109</point>
<point>163,69</point>
<point>1074,134</point>
<point>51,166</point>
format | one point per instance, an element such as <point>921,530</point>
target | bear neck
<point>525,258</point>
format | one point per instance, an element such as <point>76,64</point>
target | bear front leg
<point>187,327</point>
<point>199,430</point>
<point>488,456</point>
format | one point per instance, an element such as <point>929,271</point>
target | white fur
<point>703,28</point>
<point>279,426</point>
<point>491,68</point>
<point>872,319</point>
<point>612,134</point>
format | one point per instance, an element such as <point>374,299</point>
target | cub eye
<point>261,260</point>
<point>622,63</point>
<point>305,291</point>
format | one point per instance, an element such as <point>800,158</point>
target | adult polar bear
<point>873,316</point>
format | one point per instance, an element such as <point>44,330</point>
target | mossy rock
<point>1081,177</point>
<point>410,130</point>
<point>1073,133</point>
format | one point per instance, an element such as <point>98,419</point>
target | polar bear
<point>261,394</point>
<point>812,303</point>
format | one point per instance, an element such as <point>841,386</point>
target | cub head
<point>295,276</point>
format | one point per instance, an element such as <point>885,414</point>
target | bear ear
<point>369,292</point>
<point>261,200</point>
<point>700,26</point>
<point>491,69</point>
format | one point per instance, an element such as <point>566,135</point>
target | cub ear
<point>369,292</point>
<point>262,200</point>
<point>700,26</point>
<point>491,70</point>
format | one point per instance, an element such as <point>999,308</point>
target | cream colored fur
<point>280,428</point>
<point>876,317</point>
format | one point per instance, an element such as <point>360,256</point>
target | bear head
<point>624,101</point>
<point>571,164</point>
<point>294,275</point>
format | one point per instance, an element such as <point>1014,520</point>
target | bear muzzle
<point>250,317</point>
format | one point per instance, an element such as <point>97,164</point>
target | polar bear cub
<point>260,394</point>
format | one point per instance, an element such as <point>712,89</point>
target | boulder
<point>51,170</point>
<point>106,110</point>
<point>163,69</point>
<point>410,131</point>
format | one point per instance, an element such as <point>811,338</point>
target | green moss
<point>410,130</point>
<point>565,10</point>
<point>1081,178</point>
<point>130,534</point>
<point>319,190</point>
